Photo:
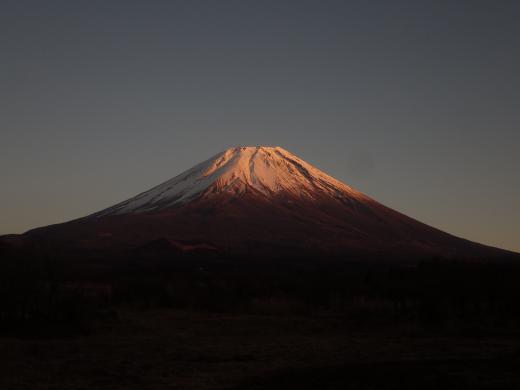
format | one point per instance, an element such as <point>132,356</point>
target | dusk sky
<point>415,103</point>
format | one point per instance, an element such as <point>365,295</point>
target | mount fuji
<point>258,201</point>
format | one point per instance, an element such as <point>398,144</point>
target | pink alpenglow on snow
<point>261,169</point>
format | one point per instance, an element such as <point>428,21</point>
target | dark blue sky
<point>416,103</point>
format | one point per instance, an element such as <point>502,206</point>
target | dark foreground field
<point>192,323</point>
<point>158,349</point>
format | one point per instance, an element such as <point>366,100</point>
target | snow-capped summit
<point>264,170</point>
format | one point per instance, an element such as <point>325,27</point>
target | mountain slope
<point>260,201</point>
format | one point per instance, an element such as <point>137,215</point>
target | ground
<point>175,349</point>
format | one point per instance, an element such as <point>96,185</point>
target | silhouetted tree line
<point>49,294</point>
<point>37,300</point>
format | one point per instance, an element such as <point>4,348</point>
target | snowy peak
<point>268,170</point>
<point>261,170</point>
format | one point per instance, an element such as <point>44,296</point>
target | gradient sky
<point>416,103</point>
